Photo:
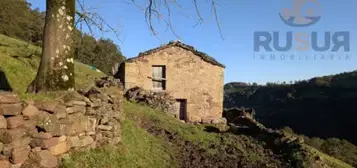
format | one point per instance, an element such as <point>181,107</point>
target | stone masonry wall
<point>34,134</point>
<point>188,77</point>
<point>156,100</point>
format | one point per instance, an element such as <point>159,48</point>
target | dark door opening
<point>181,105</point>
<point>4,83</point>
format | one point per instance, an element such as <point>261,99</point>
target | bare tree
<point>56,71</point>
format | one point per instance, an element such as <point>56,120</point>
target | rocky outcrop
<point>244,117</point>
<point>241,119</point>
<point>36,133</point>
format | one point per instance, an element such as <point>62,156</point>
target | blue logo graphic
<point>303,13</point>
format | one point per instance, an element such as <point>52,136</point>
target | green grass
<point>20,70</point>
<point>333,162</point>
<point>188,132</point>
<point>139,148</point>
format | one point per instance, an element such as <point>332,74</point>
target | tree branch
<point>93,19</point>
<point>152,10</point>
<point>198,13</point>
<point>214,9</point>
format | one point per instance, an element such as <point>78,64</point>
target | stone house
<point>192,77</point>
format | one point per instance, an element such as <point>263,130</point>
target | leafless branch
<point>152,12</point>
<point>148,15</point>
<point>84,18</point>
<point>177,5</point>
<point>169,19</point>
<point>94,19</point>
<point>214,9</point>
<point>198,13</point>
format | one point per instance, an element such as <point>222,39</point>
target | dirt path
<point>189,155</point>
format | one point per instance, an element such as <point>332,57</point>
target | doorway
<point>181,106</point>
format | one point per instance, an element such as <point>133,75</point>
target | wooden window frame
<point>161,79</point>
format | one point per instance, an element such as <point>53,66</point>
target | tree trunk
<point>56,71</point>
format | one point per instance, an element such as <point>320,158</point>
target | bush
<point>340,149</point>
<point>18,20</point>
<point>288,130</point>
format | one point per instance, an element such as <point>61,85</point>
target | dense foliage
<point>338,148</point>
<point>320,107</point>
<point>18,20</point>
<point>102,53</point>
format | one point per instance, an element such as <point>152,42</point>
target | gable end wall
<point>188,77</point>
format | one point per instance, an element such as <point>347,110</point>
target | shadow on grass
<point>4,83</point>
<point>211,129</point>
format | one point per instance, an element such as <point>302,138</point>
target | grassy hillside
<point>322,107</point>
<point>152,139</point>
<point>324,104</point>
<point>18,66</point>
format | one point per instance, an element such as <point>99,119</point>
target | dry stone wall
<point>158,100</point>
<point>161,101</point>
<point>37,133</point>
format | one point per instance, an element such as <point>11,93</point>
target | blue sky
<point>239,19</point>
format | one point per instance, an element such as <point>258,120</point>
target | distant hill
<point>153,139</point>
<point>322,106</point>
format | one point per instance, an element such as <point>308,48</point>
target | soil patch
<point>230,151</point>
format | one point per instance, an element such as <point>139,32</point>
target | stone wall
<point>188,77</point>
<point>233,114</point>
<point>37,133</point>
<point>156,100</point>
<point>161,101</point>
